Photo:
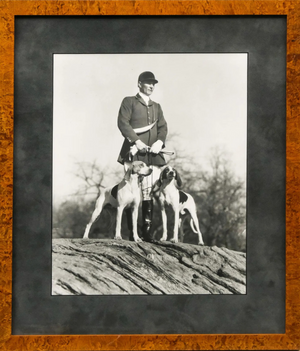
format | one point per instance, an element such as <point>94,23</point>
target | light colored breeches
<point>147,182</point>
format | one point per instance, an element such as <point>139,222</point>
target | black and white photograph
<point>149,174</point>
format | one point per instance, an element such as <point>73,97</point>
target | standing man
<point>141,122</point>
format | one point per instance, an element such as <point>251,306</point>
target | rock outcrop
<point>103,267</point>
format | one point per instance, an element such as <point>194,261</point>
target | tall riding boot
<point>147,210</point>
<point>128,212</point>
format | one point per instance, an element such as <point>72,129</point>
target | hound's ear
<point>128,174</point>
<point>155,188</point>
<point>178,180</point>
<point>162,174</point>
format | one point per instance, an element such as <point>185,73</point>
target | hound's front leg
<point>134,212</point>
<point>164,222</point>
<point>118,223</point>
<point>176,225</point>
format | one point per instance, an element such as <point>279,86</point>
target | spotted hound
<point>126,194</point>
<point>166,191</point>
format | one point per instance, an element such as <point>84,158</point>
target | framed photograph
<point>208,160</point>
<point>172,126</point>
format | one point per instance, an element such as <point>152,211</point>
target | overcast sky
<point>203,97</point>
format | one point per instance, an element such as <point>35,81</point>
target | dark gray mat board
<point>262,310</point>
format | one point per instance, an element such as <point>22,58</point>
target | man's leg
<point>147,203</point>
<point>128,212</point>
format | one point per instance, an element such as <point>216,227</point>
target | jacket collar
<point>141,100</point>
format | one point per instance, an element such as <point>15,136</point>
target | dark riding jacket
<point>134,113</point>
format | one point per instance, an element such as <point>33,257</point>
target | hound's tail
<point>193,226</point>
<point>192,223</point>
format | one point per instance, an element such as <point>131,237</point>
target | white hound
<point>165,191</point>
<point>125,194</point>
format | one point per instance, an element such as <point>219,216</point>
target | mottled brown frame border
<point>291,339</point>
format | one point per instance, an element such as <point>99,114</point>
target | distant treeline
<point>219,194</point>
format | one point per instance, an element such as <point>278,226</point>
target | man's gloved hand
<point>141,146</point>
<point>156,147</point>
<point>133,150</point>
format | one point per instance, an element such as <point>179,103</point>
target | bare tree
<point>94,178</point>
<point>71,217</point>
<point>220,197</point>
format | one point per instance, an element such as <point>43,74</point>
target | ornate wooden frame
<point>291,8</point>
